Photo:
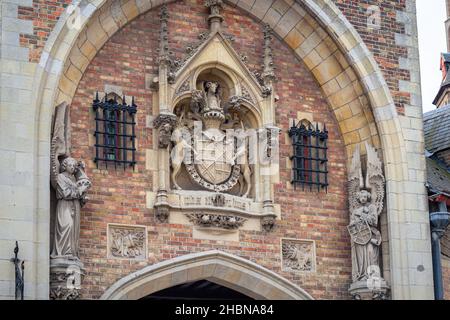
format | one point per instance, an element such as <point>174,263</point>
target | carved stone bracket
<point>268,223</point>
<point>162,213</point>
<point>374,288</point>
<point>165,123</point>
<point>65,279</point>
<point>228,222</point>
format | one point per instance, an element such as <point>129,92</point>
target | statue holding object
<point>366,204</point>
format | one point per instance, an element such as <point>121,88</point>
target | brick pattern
<point>44,14</point>
<point>381,42</point>
<point>119,197</point>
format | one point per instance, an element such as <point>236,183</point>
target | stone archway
<point>216,266</point>
<point>331,48</point>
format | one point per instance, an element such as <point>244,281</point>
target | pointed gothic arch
<point>69,51</point>
<point>215,266</point>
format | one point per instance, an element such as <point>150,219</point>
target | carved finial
<point>268,73</point>
<point>215,18</point>
<point>164,53</point>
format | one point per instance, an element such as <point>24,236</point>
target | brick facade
<point>382,42</point>
<point>34,81</point>
<point>119,197</point>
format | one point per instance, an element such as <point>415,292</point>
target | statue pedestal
<point>372,289</point>
<point>65,278</point>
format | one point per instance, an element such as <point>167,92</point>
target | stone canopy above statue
<point>216,129</point>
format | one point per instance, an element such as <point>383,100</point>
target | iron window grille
<point>115,138</point>
<point>310,163</point>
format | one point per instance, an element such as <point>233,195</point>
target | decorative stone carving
<point>185,87</point>
<point>268,73</point>
<point>215,168</point>
<point>246,94</point>
<point>71,184</point>
<point>215,19</point>
<point>268,223</point>
<point>162,213</point>
<point>165,123</point>
<point>227,222</point>
<point>65,279</point>
<point>127,242</point>
<point>366,204</point>
<point>164,52</point>
<point>298,255</point>
<point>191,50</point>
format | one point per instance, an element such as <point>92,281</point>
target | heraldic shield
<point>360,232</point>
<point>215,158</point>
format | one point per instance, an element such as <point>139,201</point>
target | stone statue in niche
<point>71,184</point>
<point>366,204</point>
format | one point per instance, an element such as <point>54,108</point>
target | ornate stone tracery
<point>216,131</point>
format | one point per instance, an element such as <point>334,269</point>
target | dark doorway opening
<point>198,290</point>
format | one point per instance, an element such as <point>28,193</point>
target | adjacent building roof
<point>438,178</point>
<point>437,129</point>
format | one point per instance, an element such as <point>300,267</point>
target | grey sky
<point>431,15</point>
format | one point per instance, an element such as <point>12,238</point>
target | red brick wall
<point>381,42</point>
<point>45,14</point>
<point>119,197</point>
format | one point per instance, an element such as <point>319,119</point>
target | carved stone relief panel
<point>127,242</point>
<point>298,255</point>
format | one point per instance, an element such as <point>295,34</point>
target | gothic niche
<point>216,168</point>
<point>210,149</point>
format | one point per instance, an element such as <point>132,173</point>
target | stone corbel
<point>164,123</point>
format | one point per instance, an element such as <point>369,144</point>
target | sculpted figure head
<point>69,165</point>
<point>364,197</point>
<point>211,86</point>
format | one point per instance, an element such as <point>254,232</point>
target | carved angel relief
<point>366,204</point>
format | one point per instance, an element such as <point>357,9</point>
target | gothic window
<point>114,131</point>
<point>310,156</point>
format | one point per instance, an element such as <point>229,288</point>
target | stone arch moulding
<point>69,51</point>
<point>222,268</point>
